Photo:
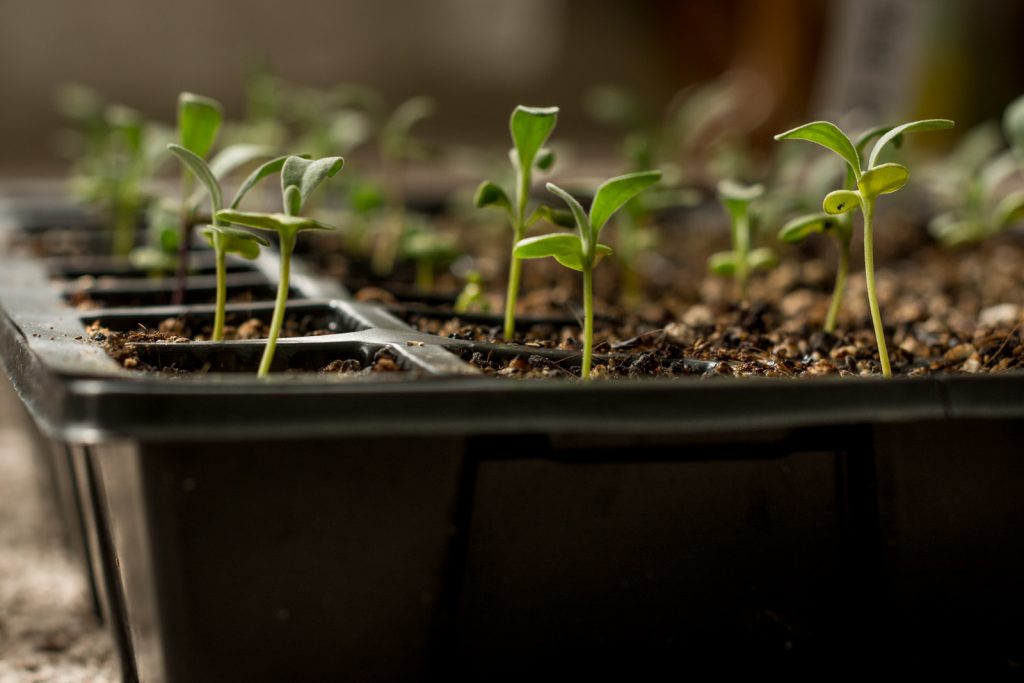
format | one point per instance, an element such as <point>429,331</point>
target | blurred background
<point>783,60</point>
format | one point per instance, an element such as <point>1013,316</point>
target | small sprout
<point>865,185</point>
<point>429,250</point>
<point>472,295</point>
<point>582,251</point>
<point>225,240</point>
<point>299,178</point>
<point>741,261</point>
<point>802,227</point>
<point>530,128</point>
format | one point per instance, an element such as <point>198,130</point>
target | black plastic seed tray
<point>435,522</point>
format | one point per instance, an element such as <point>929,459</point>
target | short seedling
<point>740,262</point>
<point>530,128</point>
<point>877,179</point>
<point>429,250</point>
<point>223,238</point>
<point>472,295</point>
<point>581,251</point>
<point>299,178</point>
<point>840,226</point>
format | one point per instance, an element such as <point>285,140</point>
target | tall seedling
<point>530,128</point>
<point>877,179</point>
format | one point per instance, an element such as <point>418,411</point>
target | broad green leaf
<point>564,247</point>
<point>545,159</point>
<point>306,175</point>
<point>269,168</point>
<point>761,258</point>
<point>613,193</point>
<point>560,217</point>
<point>912,127</point>
<point>582,222</point>
<point>489,194</point>
<point>233,157</point>
<point>199,119</point>
<point>883,179</point>
<point>1010,209</point>
<point>530,128</point>
<point>1013,123</point>
<point>827,135</point>
<point>198,167</point>
<point>841,201</point>
<point>798,229</point>
<point>277,222</point>
<point>722,263</point>
<point>736,196</point>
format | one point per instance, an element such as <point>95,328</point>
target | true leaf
<point>545,159</point>
<point>722,263</point>
<point>883,179</point>
<point>277,222</point>
<point>1013,123</point>
<point>489,194</point>
<point>582,222</point>
<point>912,127</point>
<point>841,201</point>
<point>829,136</point>
<point>614,193</point>
<point>564,247</point>
<point>199,168</point>
<point>269,168</point>
<point>199,119</point>
<point>530,128</point>
<point>801,227</point>
<point>306,175</point>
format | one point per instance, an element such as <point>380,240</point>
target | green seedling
<point>581,251</point>
<point>530,128</point>
<point>223,238</point>
<point>299,178</point>
<point>741,261</point>
<point>472,295</point>
<point>840,227</point>
<point>429,250</point>
<point>871,182</point>
<point>397,145</point>
<point>971,182</point>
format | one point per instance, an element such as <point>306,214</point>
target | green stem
<point>287,246</point>
<point>741,238</point>
<point>515,271</point>
<point>588,322</point>
<point>869,276</point>
<point>424,275</point>
<point>840,288</point>
<point>222,289</point>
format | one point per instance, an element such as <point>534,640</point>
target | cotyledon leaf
<point>841,201</point>
<point>883,179</point>
<point>801,227</point>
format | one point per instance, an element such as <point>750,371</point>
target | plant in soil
<point>741,261</point>
<point>530,128</point>
<point>299,178</point>
<point>581,251</point>
<point>877,179</point>
<point>223,238</point>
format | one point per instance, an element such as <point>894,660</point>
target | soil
<point>122,346</point>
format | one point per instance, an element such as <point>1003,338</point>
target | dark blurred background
<point>887,59</point>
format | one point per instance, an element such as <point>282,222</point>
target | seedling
<point>429,250</point>
<point>223,238</point>
<point>877,179</point>
<point>472,295</point>
<point>840,227</point>
<point>530,128</point>
<point>740,262</point>
<point>299,178</point>
<point>581,251</point>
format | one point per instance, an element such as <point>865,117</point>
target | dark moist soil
<point>945,312</point>
<point>121,346</point>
